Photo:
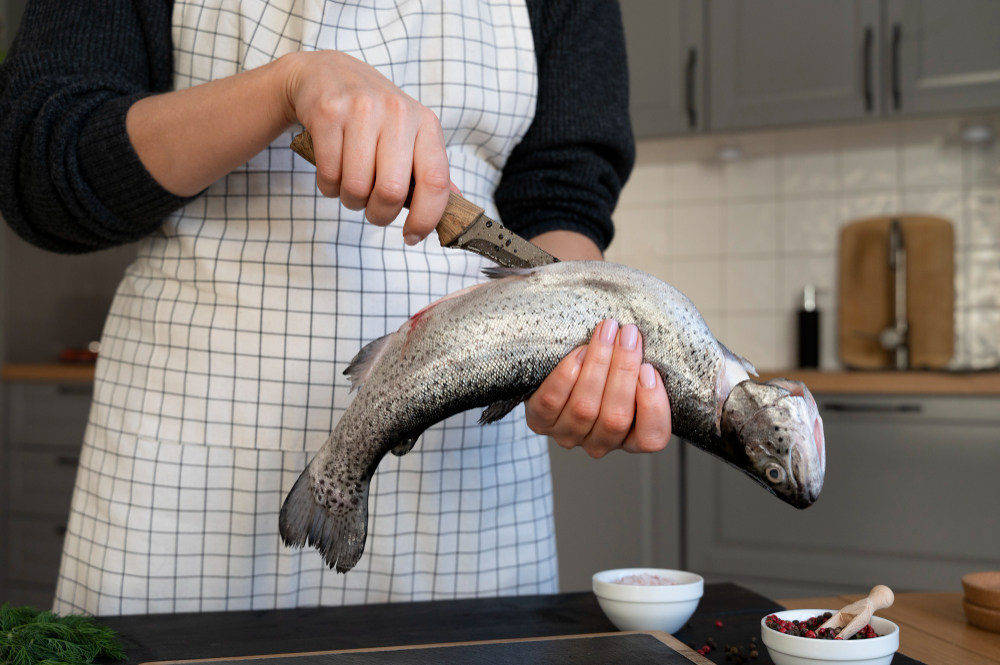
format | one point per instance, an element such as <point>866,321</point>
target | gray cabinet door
<point>666,65</point>
<point>909,501</point>
<point>784,62</point>
<point>943,55</point>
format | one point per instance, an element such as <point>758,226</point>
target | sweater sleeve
<point>568,170</point>
<point>70,180</point>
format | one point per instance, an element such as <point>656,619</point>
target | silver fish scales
<point>494,343</point>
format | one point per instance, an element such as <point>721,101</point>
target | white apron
<point>222,357</point>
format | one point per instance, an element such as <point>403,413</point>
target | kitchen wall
<point>742,238</point>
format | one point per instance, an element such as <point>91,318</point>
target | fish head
<point>778,427</point>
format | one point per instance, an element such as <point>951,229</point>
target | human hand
<point>369,136</point>
<point>602,397</point>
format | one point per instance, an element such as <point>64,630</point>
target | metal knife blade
<point>499,244</point>
<point>465,225</point>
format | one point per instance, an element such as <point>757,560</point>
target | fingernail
<point>608,331</point>
<point>411,239</point>
<point>629,337</point>
<point>647,376</point>
<point>580,355</point>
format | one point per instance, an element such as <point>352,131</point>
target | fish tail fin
<point>338,531</point>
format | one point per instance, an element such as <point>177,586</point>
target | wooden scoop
<point>856,616</point>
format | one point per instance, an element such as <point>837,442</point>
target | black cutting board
<point>631,649</point>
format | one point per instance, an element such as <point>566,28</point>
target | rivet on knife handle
<point>458,215</point>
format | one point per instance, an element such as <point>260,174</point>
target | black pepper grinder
<point>809,330</point>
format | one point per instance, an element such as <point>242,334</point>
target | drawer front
<point>41,481</point>
<point>49,413</point>
<point>34,549</point>
<point>40,596</point>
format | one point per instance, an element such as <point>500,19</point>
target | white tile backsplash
<point>795,272</point>
<point>873,204</point>
<point>809,173</point>
<point>984,216</point>
<point>869,168</point>
<point>750,228</point>
<point>701,281</point>
<point>757,337</point>
<point>946,202</point>
<point>751,285</point>
<point>695,181</point>
<point>809,225</point>
<point>984,278</point>
<point>743,238</point>
<point>751,177</point>
<point>696,230</point>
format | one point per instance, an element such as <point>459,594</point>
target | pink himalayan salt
<point>644,579</point>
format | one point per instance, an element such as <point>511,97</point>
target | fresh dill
<point>31,637</point>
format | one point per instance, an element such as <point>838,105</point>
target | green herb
<point>31,637</point>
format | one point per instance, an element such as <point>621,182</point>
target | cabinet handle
<point>897,92</point>
<point>689,88</point>
<point>873,408</point>
<point>66,460</point>
<point>869,95</point>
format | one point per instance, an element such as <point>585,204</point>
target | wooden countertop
<point>932,627</point>
<point>819,382</point>
<point>893,383</point>
<point>48,372</point>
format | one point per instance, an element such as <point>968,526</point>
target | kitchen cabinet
<point>43,431</point>
<point>785,62</point>
<point>943,55</point>
<point>666,61</point>
<point>731,65</point>
<point>10,18</point>
<point>619,511</point>
<point>909,501</point>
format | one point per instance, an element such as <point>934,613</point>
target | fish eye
<point>774,473</point>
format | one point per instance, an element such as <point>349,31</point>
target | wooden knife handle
<point>459,214</point>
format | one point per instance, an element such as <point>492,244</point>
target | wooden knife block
<point>867,291</point>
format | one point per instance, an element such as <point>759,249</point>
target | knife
<point>465,225</point>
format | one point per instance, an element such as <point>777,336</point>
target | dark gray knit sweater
<point>71,182</point>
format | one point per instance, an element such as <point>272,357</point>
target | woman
<point>221,359</point>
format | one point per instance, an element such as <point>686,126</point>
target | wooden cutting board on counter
<point>867,291</point>
<point>638,648</point>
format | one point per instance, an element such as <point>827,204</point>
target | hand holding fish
<point>602,397</point>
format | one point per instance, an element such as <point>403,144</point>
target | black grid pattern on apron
<point>222,356</point>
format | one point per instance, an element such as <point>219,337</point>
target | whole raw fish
<point>494,343</point>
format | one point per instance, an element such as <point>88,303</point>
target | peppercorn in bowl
<point>648,598</point>
<point>791,649</point>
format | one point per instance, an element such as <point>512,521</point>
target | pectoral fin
<point>495,412</point>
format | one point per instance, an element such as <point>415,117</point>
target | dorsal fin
<point>747,365</point>
<point>361,365</point>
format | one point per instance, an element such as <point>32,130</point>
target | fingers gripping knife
<point>465,225</point>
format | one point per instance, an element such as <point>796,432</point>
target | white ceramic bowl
<point>791,650</point>
<point>633,607</point>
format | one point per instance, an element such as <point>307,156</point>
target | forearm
<point>569,246</point>
<point>190,138</point>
